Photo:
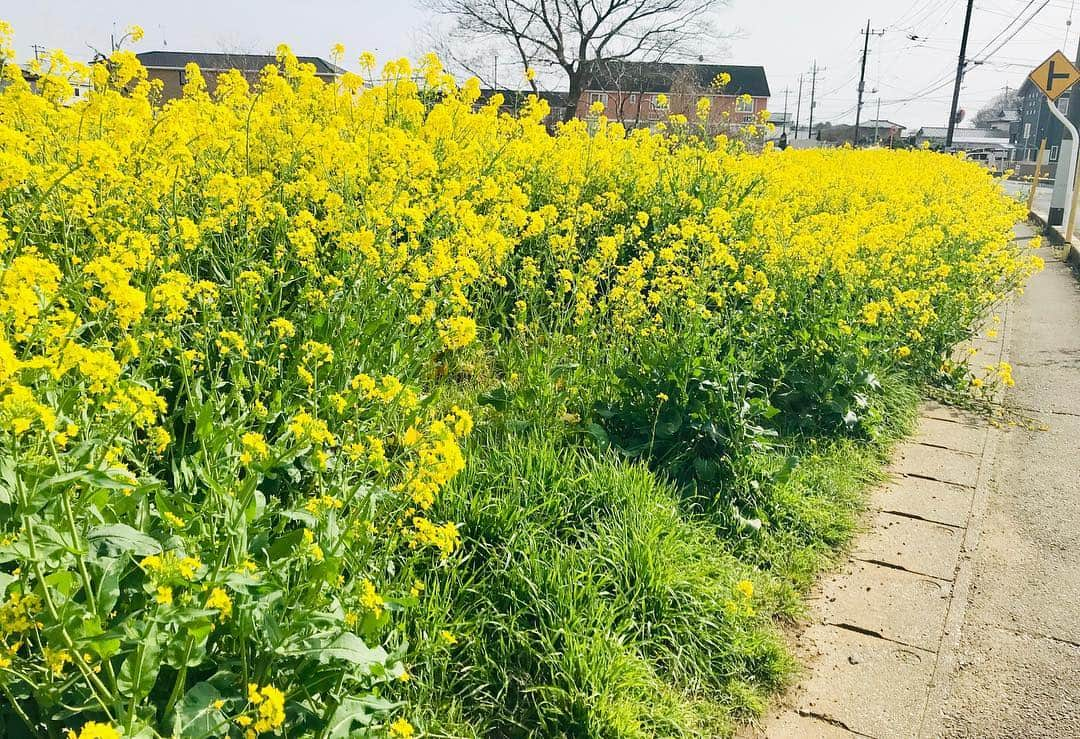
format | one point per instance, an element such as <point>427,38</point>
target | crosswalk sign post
<point>1054,77</point>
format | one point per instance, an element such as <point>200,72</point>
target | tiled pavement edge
<point>883,643</point>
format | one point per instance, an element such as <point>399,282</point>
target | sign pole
<point>1038,173</point>
<point>1065,173</point>
<point>1072,209</point>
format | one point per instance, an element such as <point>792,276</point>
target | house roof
<point>882,124</point>
<point>611,75</point>
<point>220,62</point>
<point>968,136</point>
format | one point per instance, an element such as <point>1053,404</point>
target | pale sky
<point>783,36</point>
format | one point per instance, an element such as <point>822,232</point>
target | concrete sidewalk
<point>959,612</point>
<point>1040,208</point>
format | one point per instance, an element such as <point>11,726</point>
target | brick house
<point>629,90</point>
<point>168,66</point>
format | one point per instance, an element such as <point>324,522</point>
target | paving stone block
<point>934,409</point>
<point>869,685</point>
<point>1009,684</point>
<point>919,546</point>
<point>929,499</point>
<point>960,437</point>
<point>898,605</point>
<point>940,464</point>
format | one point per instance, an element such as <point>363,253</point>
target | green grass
<point>592,600</point>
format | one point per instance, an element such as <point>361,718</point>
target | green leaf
<point>204,423</point>
<point>351,711</point>
<point>357,711</point>
<point>139,671</point>
<point>94,478</point>
<point>196,717</point>
<point>599,434</point>
<point>122,537</point>
<point>178,652</point>
<point>499,399</point>
<point>62,581</point>
<point>285,545</point>
<point>8,480</point>
<point>344,646</point>
<point>109,583</point>
<point>302,516</point>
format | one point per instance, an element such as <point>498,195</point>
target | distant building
<point>993,147</point>
<point>79,88</point>
<point>1035,122</point>
<point>1004,121</point>
<point>29,77</point>
<point>628,91</point>
<point>872,132</point>
<point>782,125</point>
<point>964,139</point>
<point>514,101</point>
<point>168,66</point>
<point>881,132</point>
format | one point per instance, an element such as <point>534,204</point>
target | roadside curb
<point>1055,237</point>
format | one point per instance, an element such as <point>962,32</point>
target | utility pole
<point>862,76</point>
<point>877,121</point>
<point>786,91</point>
<point>798,108</point>
<point>813,90</point>
<point>38,48</point>
<point>862,81</point>
<point>960,64</point>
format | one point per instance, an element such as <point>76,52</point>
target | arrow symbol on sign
<point>1051,76</point>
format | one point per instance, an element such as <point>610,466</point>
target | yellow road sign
<point>1056,75</point>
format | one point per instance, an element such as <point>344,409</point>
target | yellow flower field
<point>244,336</point>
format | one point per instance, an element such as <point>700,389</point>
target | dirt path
<point>958,614</point>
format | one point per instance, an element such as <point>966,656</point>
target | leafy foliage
<point>243,335</point>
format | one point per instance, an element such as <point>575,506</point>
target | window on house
<point>655,105</point>
<point>1027,130</point>
<point>598,97</point>
<point>1063,104</point>
<point>744,105</point>
<point>633,97</point>
<point>748,118</point>
<point>1053,153</point>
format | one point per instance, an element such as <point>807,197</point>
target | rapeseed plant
<point>243,334</point>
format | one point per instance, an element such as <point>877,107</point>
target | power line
<point>1010,37</point>
<point>1004,30</point>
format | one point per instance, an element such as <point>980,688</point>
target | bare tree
<point>625,81</point>
<point>999,105</point>
<point>569,35</point>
